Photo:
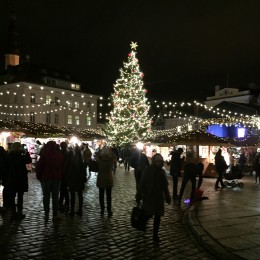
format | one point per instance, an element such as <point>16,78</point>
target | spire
<point>12,56</point>
<point>12,40</point>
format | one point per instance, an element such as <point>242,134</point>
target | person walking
<point>87,159</point>
<point>49,170</point>
<point>64,193</point>
<point>126,155</point>
<point>139,162</point>
<point>154,192</point>
<point>257,168</point>
<point>17,179</point>
<point>115,151</point>
<point>3,176</point>
<point>221,167</point>
<point>191,170</point>
<point>175,169</point>
<point>106,160</point>
<point>76,180</point>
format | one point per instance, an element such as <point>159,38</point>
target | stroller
<point>232,176</point>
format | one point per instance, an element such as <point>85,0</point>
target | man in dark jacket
<point>49,171</point>
<point>221,167</point>
<point>175,169</point>
<point>17,178</point>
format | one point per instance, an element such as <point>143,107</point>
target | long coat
<point>154,191</point>
<point>105,166</point>
<point>76,173</point>
<point>17,178</point>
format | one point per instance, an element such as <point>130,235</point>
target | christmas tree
<point>129,121</point>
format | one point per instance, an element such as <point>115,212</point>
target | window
<point>15,98</point>
<point>88,121</point>
<point>32,100</point>
<point>69,119</point>
<point>76,104</point>
<point>32,117</point>
<point>48,99</point>
<point>88,105</point>
<point>69,103</point>
<point>56,119</point>
<point>73,86</point>
<point>56,101</point>
<point>48,118</point>
<point>77,87</point>
<point>77,120</point>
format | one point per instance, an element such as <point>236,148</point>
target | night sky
<point>186,47</point>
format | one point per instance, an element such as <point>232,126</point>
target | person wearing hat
<point>17,179</point>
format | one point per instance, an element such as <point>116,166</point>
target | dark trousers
<point>138,176</point>
<point>73,198</point>
<point>220,180</point>
<point>257,176</point>
<point>48,188</point>
<point>64,194</point>
<point>156,223</point>
<point>19,201</point>
<point>108,192</point>
<point>175,178</point>
<point>127,165</point>
<point>6,197</point>
<point>185,179</point>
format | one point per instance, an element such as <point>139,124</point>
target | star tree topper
<point>133,45</point>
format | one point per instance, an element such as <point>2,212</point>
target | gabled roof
<point>28,72</point>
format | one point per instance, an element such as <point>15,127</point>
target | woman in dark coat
<point>221,167</point>
<point>76,179</point>
<point>17,178</point>
<point>154,192</point>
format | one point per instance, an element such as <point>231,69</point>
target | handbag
<point>138,219</point>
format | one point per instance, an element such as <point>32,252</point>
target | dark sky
<point>186,47</point>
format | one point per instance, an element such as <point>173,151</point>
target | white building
<point>37,94</point>
<point>230,95</point>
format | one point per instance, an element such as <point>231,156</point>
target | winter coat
<point>105,166</point>
<point>176,163</point>
<point>17,177</point>
<point>154,191</point>
<point>76,173</point>
<point>3,165</point>
<point>50,165</point>
<point>220,163</point>
<point>87,155</point>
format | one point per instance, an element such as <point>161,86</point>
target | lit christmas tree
<point>129,120</point>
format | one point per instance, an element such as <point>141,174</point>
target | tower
<point>12,55</point>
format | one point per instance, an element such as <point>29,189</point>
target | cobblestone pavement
<point>92,236</point>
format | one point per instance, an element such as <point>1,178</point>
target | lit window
<point>69,119</point>
<point>56,101</point>
<point>77,87</point>
<point>32,117</point>
<point>48,99</point>
<point>56,119</point>
<point>76,104</point>
<point>88,121</point>
<point>48,118</point>
<point>73,86</point>
<point>77,120</point>
<point>32,98</point>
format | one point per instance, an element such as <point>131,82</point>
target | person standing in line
<point>49,170</point>
<point>3,176</point>
<point>76,179</point>
<point>175,169</point>
<point>221,167</point>
<point>87,159</point>
<point>17,179</point>
<point>191,170</point>
<point>64,193</point>
<point>154,192</point>
<point>106,160</point>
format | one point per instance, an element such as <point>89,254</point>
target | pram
<point>234,174</point>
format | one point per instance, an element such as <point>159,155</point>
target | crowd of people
<point>63,171</point>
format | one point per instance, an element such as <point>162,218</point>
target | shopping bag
<point>138,219</point>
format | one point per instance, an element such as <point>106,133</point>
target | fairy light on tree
<point>129,120</point>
